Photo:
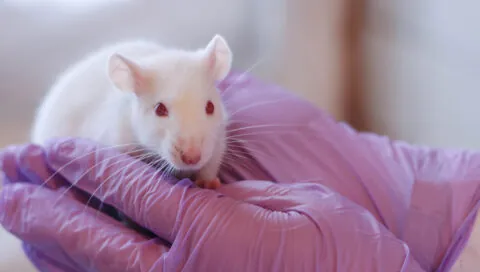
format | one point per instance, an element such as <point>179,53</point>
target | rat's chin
<point>185,167</point>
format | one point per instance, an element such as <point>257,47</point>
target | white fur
<point>99,98</point>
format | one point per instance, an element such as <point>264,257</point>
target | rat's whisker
<point>173,170</point>
<point>242,164</point>
<point>148,167</point>
<point>163,169</point>
<point>238,156</point>
<point>246,149</point>
<point>77,158</point>
<point>225,165</point>
<point>153,186</point>
<point>263,126</point>
<point>239,142</point>
<point>124,179</point>
<point>242,149</point>
<point>248,152</point>
<point>227,159</point>
<point>262,103</point>
<point>94,166</point>
<point>72,184</point>
<point>229,139</point>
<point>263,133</point>
<point>127,167</point>
<point>154,175</point>
<point>282,127</point>
<point>227,156</point>
<point>259,61</point>
<point>129,183</point>
<point>170,170</point>
<point>234,146</point>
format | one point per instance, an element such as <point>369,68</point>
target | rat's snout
<point>190,156</point>
<point>189,151</point>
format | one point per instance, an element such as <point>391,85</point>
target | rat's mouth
<point>175,161</point>
<point>170,161</point>
<point>179,165</point>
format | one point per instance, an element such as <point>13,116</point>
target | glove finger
<point>9,166</point>
<point>42,262</point>
<point>26,163</point>
<point>136,189</point>
<point>44,219</point>
<point>31,160</point>
<point>33,165</point>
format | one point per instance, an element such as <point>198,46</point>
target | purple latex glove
<point>424,196</point>
<point>246,226</point>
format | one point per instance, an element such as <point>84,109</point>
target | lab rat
<point>141,95</point>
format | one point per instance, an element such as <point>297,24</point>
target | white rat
<point>161,99</point>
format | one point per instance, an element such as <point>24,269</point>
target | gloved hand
<point>427,197</point>
<point>424,196</point>
<point>245,226</point>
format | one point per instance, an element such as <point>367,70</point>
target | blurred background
<point>403,68</point>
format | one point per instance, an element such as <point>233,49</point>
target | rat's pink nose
<point>191,157</point>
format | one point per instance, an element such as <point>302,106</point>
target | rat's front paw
<point>211,184</point>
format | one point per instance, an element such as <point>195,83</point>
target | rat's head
<point>177,110</point>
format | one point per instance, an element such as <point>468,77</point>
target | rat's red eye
<point>161,110</point>
<point>209,108</point>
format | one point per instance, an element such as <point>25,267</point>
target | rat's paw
<point>212,184</point>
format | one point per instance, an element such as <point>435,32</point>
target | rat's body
<point>141,95</point>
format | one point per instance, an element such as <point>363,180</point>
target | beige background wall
<point>423,71</point>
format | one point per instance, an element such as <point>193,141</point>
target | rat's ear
<point>127,75</point>
<point>219,57</point>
